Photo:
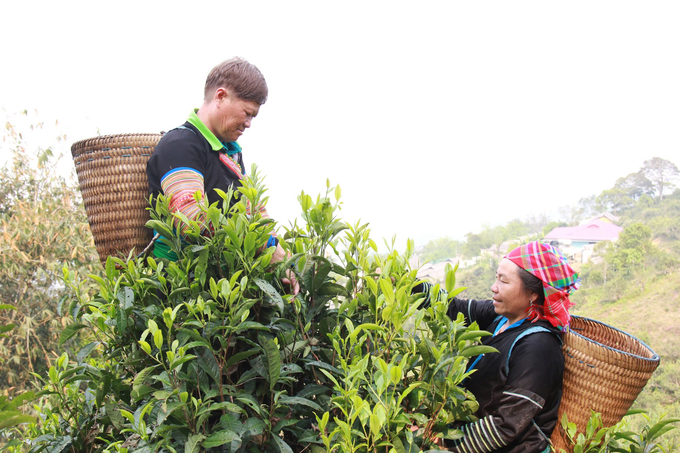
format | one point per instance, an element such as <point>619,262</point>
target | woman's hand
<point>438,441</point>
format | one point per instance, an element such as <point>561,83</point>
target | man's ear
<point>224,93</point>
<point>221,94</point>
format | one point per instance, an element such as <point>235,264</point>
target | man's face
<point>232,116</point>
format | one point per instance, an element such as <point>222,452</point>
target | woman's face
<point>510,299</point>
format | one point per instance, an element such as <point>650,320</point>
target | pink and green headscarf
<point>549,265</point>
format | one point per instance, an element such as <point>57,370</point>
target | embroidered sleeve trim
<point>481,436</point>
<point>518,395</point>
<point>180,185</point>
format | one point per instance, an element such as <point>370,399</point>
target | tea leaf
<point>69,331</point>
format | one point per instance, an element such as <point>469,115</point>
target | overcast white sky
<point>435,117</point>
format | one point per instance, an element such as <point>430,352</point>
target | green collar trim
<point>229,147</point>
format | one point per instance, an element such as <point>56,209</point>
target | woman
<point>519,389</point>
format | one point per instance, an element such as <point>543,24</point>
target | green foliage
<point>43,228</point>
<point>596,438</point>
<point>10,415</point>
<point>400,391</point>
<point>617,438</point>
<point>208,353</point>
<point>630,250</point>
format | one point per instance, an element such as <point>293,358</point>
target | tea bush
<point>209,353</point>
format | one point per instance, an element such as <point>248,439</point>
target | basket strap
<point>540,431</point>
<point>184,127</point>
<point>529,331</point>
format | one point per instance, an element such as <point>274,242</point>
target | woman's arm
<point>481,311</point>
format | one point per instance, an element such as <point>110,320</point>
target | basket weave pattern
<point>112,177</point>
<point>604,370</point>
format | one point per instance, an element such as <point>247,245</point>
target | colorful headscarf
<point>549,265</point>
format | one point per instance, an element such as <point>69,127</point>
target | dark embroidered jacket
<point>518,389</point>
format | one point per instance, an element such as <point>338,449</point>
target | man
<point>202,155</point>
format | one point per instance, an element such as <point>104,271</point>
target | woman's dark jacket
<point>518,389</point>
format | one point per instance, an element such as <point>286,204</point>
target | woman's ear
<point>533,297</point>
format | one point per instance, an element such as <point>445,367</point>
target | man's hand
<point>289,279</point>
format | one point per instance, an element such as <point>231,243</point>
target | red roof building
<point>591,232</point>
<point>577,242</point>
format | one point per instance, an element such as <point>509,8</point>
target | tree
<point>661,173</point>
<point>631,248</point>
<point>569,215</point>
<point>439,250</point>
<point>614,200</point>
<point>43,228</point>
<point>635,185</point>
<point>587,207</point>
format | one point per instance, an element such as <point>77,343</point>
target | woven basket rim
<point>78,143</point>
<point>655,357</point>
<point>127,134</point>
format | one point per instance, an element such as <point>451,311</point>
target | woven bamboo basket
<point>604,370</point>
<point>112,177</point>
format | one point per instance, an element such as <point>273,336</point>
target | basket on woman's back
<point>605,369</point>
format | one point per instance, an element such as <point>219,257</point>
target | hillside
<point>651,313</point>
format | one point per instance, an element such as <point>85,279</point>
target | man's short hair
<point>242,77</point>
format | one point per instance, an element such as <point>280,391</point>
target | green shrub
<point>618,438</point>
<point>209,354</point>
